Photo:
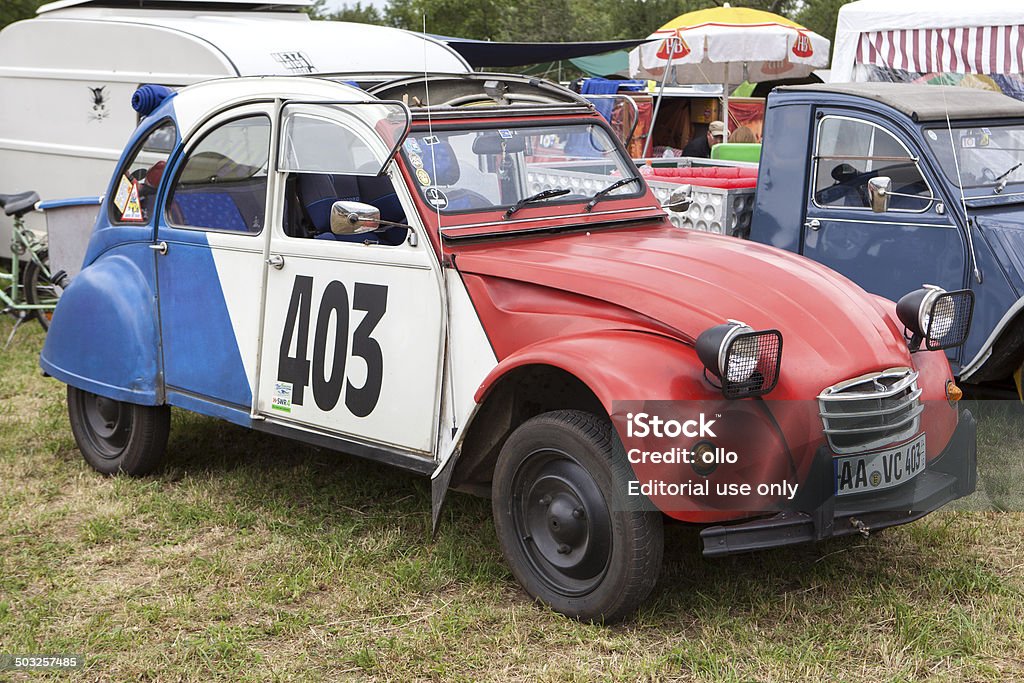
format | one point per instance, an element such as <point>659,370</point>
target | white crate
<point>68,229</point>
<point>714,209</point>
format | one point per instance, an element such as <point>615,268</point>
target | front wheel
<point>116,437</point>
<point>561,513</point>
<point>39,290</point>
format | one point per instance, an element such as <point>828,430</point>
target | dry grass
<point>248,558</point>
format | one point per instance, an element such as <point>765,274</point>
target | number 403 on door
<point>370,298</point>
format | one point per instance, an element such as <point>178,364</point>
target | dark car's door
<point>916,241</point>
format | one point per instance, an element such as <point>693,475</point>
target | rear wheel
<point>38,288</point>
<point>563,521</point>
<point>116,437</point>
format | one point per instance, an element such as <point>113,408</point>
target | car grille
<point>871,411</point>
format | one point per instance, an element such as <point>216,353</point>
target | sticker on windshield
<point>413,146</point>
<point>132,208</point>
<point>422,176</point>
<point>505,133</point>
<point>932,136</point>
<point>436,198</point>
<point>431,140</point>
<point>124,188</point>
<point>282,400</point>
<point>416,160</point>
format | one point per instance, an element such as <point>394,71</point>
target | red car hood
<point>689,281</point>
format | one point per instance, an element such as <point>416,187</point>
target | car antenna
<point>440,239</point>
<point>430,124</point>
<point>960,185</point>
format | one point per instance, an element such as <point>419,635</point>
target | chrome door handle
<point>813,224</point>
<point>276,261</point>
<point>159,247</point>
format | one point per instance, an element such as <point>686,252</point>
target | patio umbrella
<point>728,45</point>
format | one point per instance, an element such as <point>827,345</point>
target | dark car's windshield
<point>481,169</point>
<point>987,156</point>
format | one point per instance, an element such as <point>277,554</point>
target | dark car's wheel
<point>38,288</point>
<point>118,437</point>
<point>564,522</point>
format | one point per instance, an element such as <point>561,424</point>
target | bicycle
<point>33,294</point>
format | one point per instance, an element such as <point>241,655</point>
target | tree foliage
<point>565,20</point>
<point>357,13</point>
<point>820,16</point>
<point>16,10</point>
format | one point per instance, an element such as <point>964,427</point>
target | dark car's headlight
<point>939,318</point>
<point>744,360</point>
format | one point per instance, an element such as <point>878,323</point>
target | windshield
<point>480,169</point>
<point>988,156</point>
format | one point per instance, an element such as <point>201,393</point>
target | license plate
<point>881,469</point>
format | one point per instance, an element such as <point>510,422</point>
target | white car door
<point>353,331</point>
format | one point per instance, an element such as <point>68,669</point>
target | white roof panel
<point>196,103</point>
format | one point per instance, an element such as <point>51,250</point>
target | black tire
<point>116,437</point>
<point>38,288</point>
<point>564,522</point>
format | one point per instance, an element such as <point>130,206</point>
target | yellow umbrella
<point>728,45</point>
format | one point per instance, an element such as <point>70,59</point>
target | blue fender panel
<point>104,334</point>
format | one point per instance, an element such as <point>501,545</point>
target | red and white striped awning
<point>975,49</point>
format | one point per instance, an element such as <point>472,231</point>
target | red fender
<point>617,365</point>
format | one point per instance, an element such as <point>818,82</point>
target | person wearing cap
<point>700,145</point>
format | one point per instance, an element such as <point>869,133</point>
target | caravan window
<point>135,191</point>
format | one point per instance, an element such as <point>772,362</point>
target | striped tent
<point>929,36</point>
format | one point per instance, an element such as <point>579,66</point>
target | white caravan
<point>67,76</point>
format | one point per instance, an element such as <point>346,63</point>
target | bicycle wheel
<point>39,289</point>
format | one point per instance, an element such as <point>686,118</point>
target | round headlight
<point>941,318</point>
<point>713,345</point>
<point>746,362</point>
<point>915,310</point>
<point>742,360</point>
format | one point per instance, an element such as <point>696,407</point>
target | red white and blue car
<point>467,277</point>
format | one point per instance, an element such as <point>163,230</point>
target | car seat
<point>442,166</point>
<point>317,193</point>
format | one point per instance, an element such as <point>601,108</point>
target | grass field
<point>248,557</point>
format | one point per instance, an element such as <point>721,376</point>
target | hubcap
<point>109,424</point>
<point>563,521</point>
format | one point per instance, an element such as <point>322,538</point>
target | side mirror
<point>680,199</point>
<point>878,192</point>
<point>354,218</point>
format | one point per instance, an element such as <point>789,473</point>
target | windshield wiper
<point>540,196</point>
<point>614,186</point>
<point>1000,183</point>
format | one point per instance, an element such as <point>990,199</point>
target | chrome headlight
<point>939,318</point>
<point>746,361</point>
